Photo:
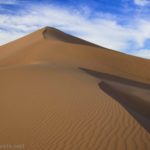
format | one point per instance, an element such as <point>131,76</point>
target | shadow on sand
<point>136,106</point>
<point>109,77</point>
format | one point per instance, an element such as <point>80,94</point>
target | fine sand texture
<point>59,92</point>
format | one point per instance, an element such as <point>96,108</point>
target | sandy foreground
<point>58,92</point>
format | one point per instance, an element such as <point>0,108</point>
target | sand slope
<point>58,92</point>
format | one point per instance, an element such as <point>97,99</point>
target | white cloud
<point>105,31</point>
<point>6,36</point>
<point>142,2</point>
<point>142,53</point>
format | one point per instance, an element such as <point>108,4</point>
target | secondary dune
<point>59,92</point>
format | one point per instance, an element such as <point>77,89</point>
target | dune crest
<point>50,33</point>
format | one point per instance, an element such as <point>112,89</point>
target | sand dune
<point>59,92</point>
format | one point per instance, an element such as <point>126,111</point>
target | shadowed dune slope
<point>59,92</point>
<point>135,100</point>
<point>54,34</point>
<point>133,95</point>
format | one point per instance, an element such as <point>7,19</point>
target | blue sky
<point>122,25</point>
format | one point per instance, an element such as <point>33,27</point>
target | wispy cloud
<point>102,29</point>
<point>142,2</point>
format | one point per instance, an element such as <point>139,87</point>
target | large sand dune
<point>58,92</point>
